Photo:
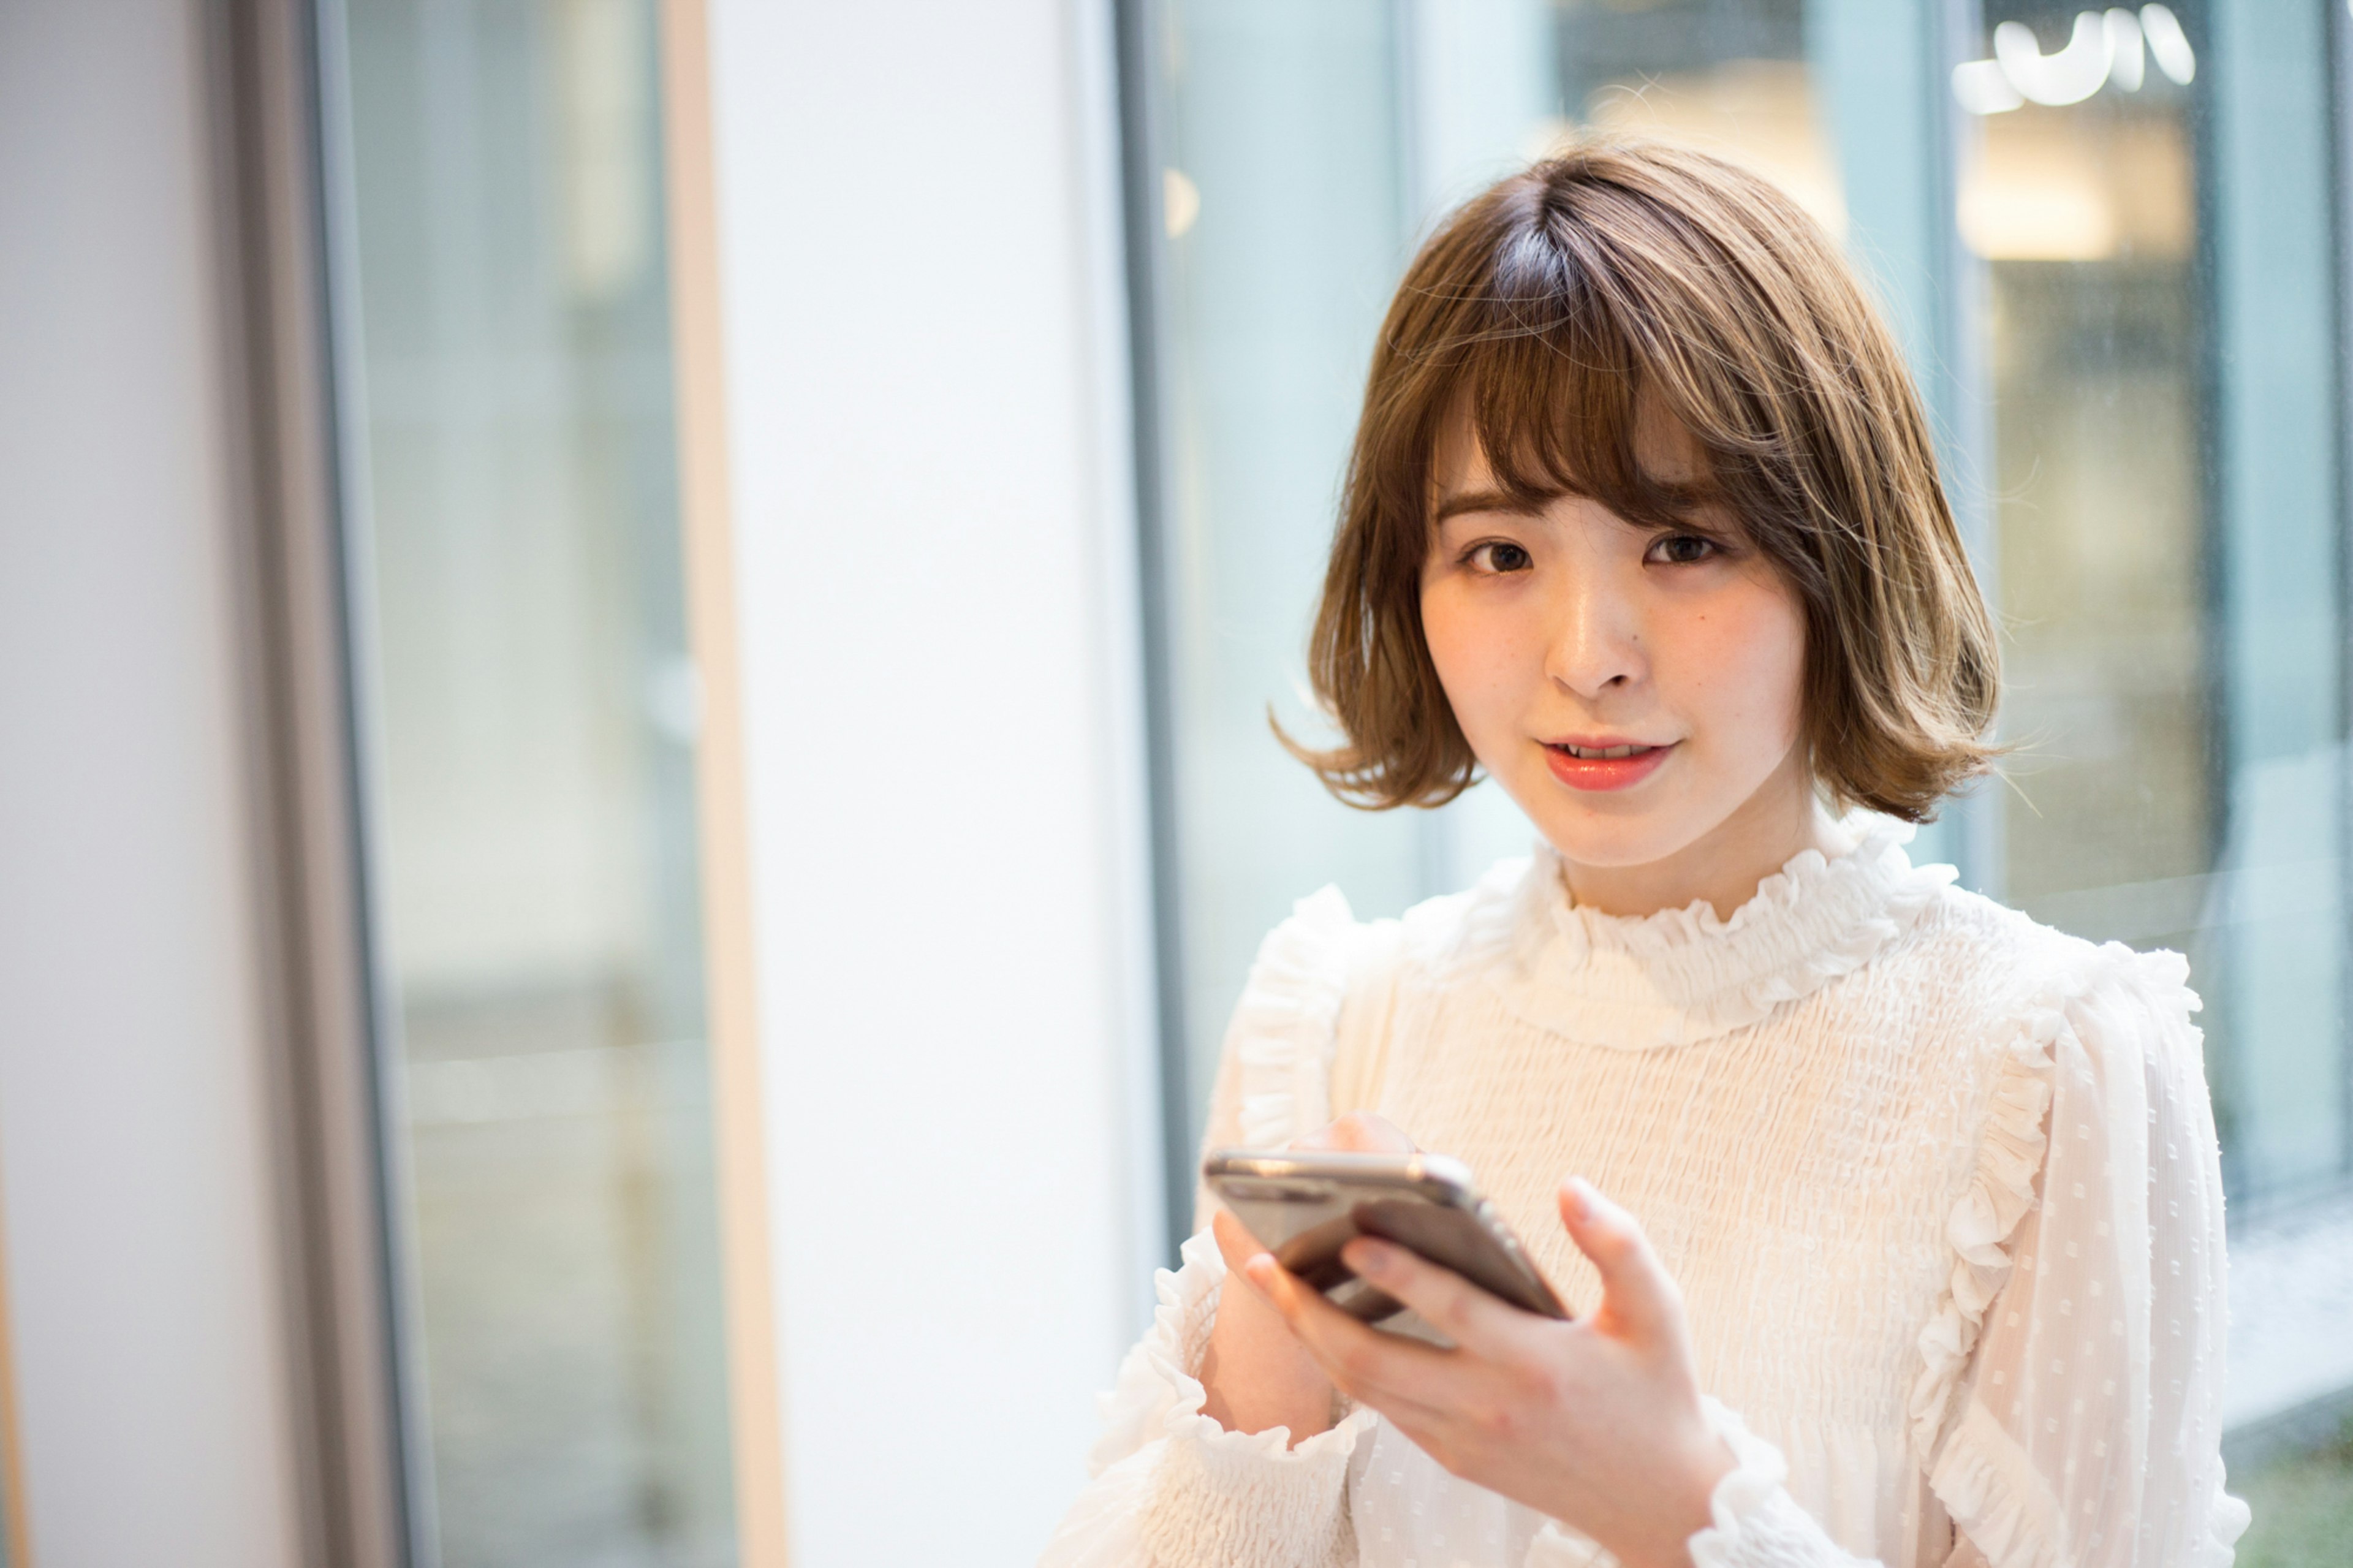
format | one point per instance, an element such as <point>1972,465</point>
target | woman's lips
<point>1605,772</point>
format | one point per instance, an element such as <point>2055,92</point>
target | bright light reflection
<point>1980,87</point>
<point>2103,46</point>
<point>2127,61</point>
<point>2071,76</point>
<point>2169,43</point>
<point>1180,200</point>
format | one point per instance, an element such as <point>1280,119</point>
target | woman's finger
<point>1447,1302</point>
<point>1638,1294</point>
<point>1235,1242</point>
<point>1364,1363</point>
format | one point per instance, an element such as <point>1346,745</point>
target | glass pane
<point>2085,216</point>
<point>519,608</point>
<point>1732,78</point>
<point>1281,137</point>
<point>2164,461</point>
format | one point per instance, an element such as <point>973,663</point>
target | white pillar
<point>920,280</point>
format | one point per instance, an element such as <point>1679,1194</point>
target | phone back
<point>1305,1207</point>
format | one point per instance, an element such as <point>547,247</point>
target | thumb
<point>1639,1299</point>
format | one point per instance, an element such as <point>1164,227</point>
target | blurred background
<point>636,640</point>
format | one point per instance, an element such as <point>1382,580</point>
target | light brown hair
<point>1549,310</point>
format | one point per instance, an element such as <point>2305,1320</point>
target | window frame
<point>364,1489</point>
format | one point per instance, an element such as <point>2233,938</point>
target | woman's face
<point>1637,692</point>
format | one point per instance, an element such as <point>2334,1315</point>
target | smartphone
<point>1306,1205</point>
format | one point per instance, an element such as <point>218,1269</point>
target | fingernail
<point>1370,1257</point>
<point>1580,1197</point>
<point>1259,1266</point>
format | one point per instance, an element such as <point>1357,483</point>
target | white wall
<point>917,215</point>
<point>131,1137</point>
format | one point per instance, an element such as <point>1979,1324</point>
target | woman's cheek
<point>1772,673</point>
<point>1740,663</point>
<point>1481,658</point>
<point>1461,672</point>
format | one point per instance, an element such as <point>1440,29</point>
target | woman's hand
<point>1597,1424</point>
<point>1259,1376</point>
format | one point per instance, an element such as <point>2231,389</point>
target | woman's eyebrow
<point>1679,496</point>
<point>1483,500</point>
<point>1684,492</point>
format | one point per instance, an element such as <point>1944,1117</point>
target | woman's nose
<point>1596,644</point>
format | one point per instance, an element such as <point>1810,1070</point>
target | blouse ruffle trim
<point>1158,1395</point>
<point>1983,1225</point>
<point>1288,1021</point>
<point>1995,1498</point>
<point>1684,976</point>
<point>2000,1196</point>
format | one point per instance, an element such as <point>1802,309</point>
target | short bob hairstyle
<point>1548,312</point>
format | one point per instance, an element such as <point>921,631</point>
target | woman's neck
<point>1723,866</point>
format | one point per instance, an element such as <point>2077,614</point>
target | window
<point>2112,243</point>
<point>527,709</point>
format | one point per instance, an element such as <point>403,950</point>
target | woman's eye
<point>1500,555</point>
<point>1681,549</point>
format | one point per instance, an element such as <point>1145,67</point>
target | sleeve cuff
<point>1754,1522</point>
<point>1157,1377</point>
<point>1232,1498</point>
<point>1235,1499</point>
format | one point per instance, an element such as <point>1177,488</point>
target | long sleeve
<point>1171,1487</point>
<point>2088,1430</point>
<point>2068,1407</point>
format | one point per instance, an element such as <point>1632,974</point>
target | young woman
<point>1912,1245</point>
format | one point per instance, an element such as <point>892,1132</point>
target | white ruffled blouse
<point>1939,1184</point>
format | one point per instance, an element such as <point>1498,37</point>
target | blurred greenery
<point>2303,1506</point>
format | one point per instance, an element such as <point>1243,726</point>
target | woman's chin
<point>1613,855</point>
<point>1614,836</point>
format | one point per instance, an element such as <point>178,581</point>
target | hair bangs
<point>1561,391</point>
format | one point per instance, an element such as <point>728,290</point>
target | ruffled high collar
<point>1689,975</point>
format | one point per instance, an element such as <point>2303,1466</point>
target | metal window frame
<point>303,806</point>
<point>1136,31</point>
<point>2340,30</point>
